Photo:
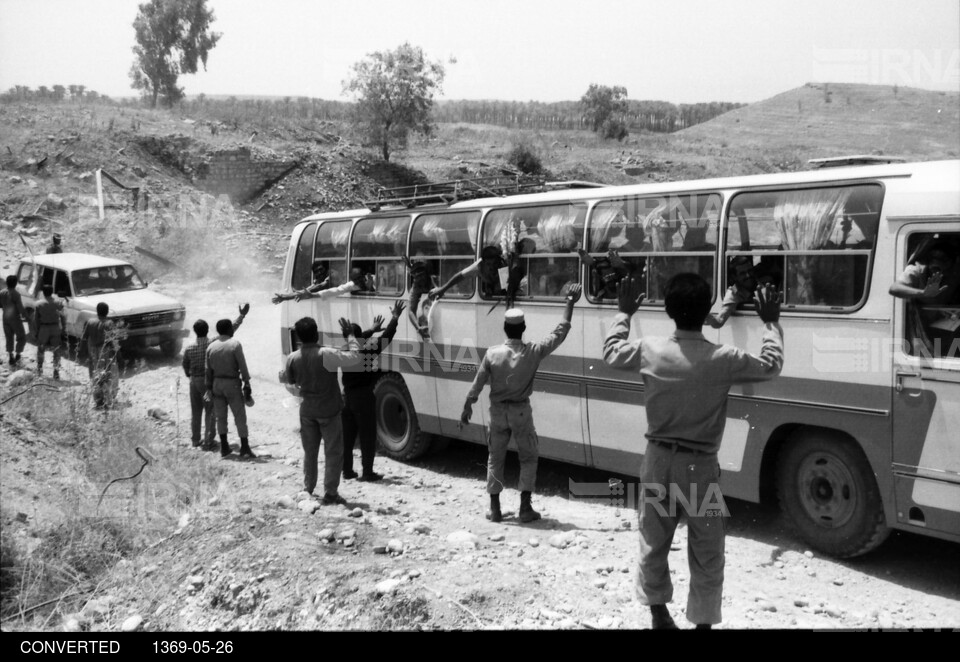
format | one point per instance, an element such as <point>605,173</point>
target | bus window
<point>540,243</point>
<point>654,238</point>
<point>302,259</point>
<point>331,247</point>
<point>932,325</point>
<point>378,247</point>
<point>447,244</point>
<point>814,244</point>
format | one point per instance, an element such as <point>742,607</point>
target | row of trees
<point>54,93</point>
<point>657,116</point>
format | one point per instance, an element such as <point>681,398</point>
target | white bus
<point>859,435</point>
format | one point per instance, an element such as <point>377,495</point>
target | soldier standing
<point>313,369</point>
<point>54,246</point>
<point>102,352</point>
<point>13,313</point>
<point>359,416</point>
<point>511,368</point>
<point>51,326</point>
<point>195,367</point>
<point>226,369</point>
<point>686,379</point>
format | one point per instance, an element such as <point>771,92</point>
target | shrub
<point>615,129</point>
<point>525,159</point>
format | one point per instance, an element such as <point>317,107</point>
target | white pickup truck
<point>82,281</point>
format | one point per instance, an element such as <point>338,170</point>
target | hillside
<point>832,119</point>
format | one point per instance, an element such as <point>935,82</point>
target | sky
<point>682,51</point>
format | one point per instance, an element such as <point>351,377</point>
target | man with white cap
<point>511,368</point>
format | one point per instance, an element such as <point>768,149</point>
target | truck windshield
<point>120,278</point>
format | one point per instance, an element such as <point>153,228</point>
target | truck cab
<point>81,281</point>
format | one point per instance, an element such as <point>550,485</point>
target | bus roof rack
<point>854,160</point>
<point>498,186</point>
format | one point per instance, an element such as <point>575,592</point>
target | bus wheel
<point>827,490</point>
<point>398,430</point>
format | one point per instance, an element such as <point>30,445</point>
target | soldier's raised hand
<point>377,324</point>
<point>346,327</point>
<point>768,303</point>
<point>397,309</point>
<point>629,294</point>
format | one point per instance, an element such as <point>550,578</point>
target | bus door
<point>926,382</point>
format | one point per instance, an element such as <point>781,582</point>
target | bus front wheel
<point>398,430</point>
<point>828,491</point>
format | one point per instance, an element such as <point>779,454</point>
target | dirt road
<point>414,551</point>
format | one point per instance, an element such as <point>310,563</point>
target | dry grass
<point>67,558</point>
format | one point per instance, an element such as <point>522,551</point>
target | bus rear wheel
<point>827,490</point>
<point>398,429</point>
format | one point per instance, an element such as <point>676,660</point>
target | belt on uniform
<point>525,401</point>
<point>679,448</point>
<point>49,323</point>
<point>226,377</point>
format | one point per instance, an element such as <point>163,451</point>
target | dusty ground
<point>247,557</point>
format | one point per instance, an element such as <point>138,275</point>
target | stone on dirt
<point>286,502</point>
<point>132,624</point>
<point>463,538</point>
<point>308,506</point>
<point>19,378</point>
<point>387,586</point>
<point>395,546</point>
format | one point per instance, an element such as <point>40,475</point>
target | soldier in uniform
<point>102,352</point>
<point>686,379</point>
<point>13,313</point>
<point>511,368</point>
<point>51,326</point>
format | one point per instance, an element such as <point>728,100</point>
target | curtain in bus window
<point>538,246</point>
<point>830,233</point>
<point>446,244</point>
<point>806,220</point>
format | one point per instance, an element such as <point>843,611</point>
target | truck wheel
<point>398,430</point>
<point>171,347</point>
<point>828,491</point>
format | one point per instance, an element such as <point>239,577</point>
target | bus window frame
<point>656,304</point>
<point>946,363</point>
<point>726,254</point>
<point>315,226</point>
<point>471,258</point>
<point>560,298</point>
<point>340,260</point>
<point>402,275</point>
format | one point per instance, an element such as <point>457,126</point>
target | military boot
<point>527,513</point>
<point>494,514</point>
<point>224,446</point>
<point>245,448</point>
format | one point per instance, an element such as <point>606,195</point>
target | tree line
<point>54,93</point>
<point>656,116</point>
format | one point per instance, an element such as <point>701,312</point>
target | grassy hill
<point>831,119</point>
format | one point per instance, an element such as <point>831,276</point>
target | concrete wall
<point>234,173</point>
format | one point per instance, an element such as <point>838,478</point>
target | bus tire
<point>828,492</point>
<point>398,431</point>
